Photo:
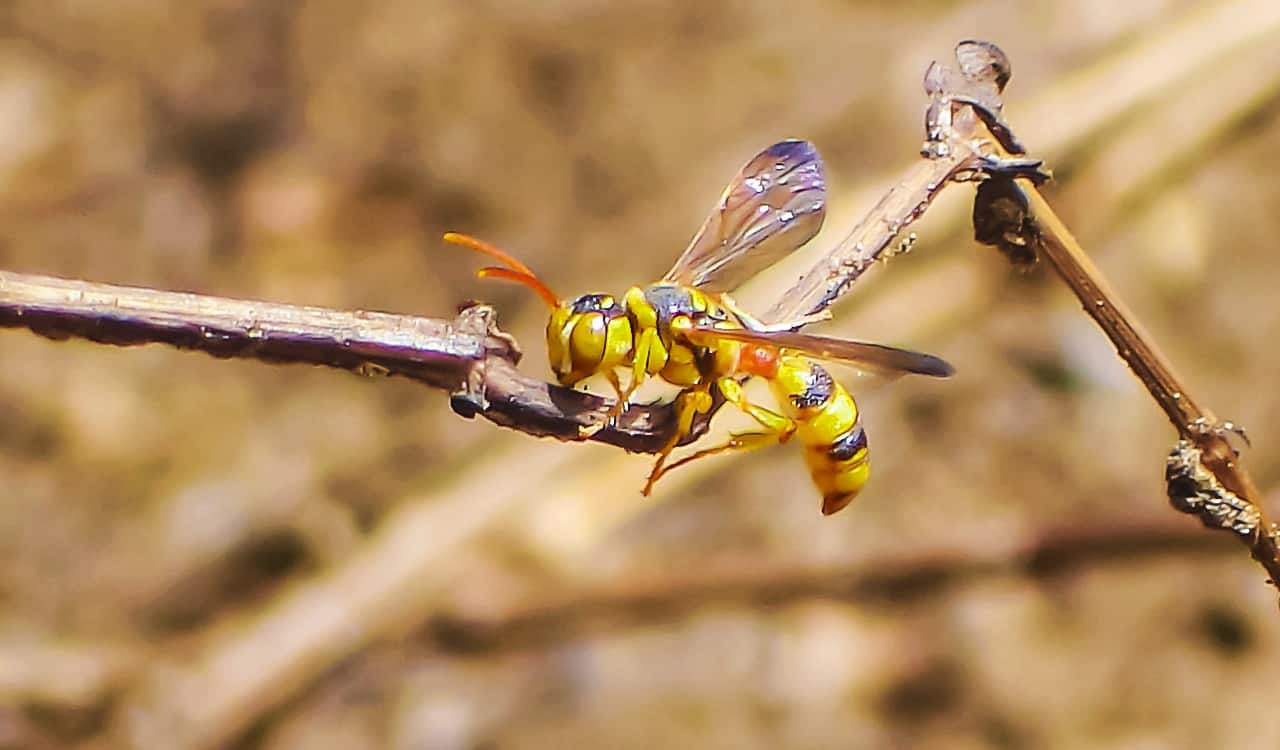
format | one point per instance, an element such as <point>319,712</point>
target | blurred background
<point>198,553</point>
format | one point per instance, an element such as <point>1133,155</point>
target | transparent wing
<point>877,359</point>
<point>773,206</point>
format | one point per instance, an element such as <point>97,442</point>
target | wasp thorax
<point>586,336</point>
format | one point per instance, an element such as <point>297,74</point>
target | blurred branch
<point>1148,74</point>
<point>51,672</point>
<point>467,356</point>
<point>900,579</point>
<point>247,665</point>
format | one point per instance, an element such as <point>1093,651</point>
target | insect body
<point>687,331</point>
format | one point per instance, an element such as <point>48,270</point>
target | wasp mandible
<point>687,331</point>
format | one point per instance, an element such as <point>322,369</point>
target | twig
<point>903,204</point>
<point>1015,217</point>
<point>467,356</point>
<point>961,98</point>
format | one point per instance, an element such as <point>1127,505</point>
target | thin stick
<point>1195,423</point>
<point>467,356</point>
<point>1134,345</point>
<point>962,97</point>
<point>902,205</point>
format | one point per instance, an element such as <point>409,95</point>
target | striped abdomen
<point>827,424</point>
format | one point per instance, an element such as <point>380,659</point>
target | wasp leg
<point>1205,426</point>
<point>689,404</point>
<point>744,441</point>
<point>777,429</point>
<point>646,346</point>
<point>619,406</point>
<point>772,421</point>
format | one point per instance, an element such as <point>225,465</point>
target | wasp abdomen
<point>828,425</point>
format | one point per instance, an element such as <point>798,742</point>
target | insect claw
<point>1031,169</point>
<point>618,409</point>
<point>1204,426</point>
<point>587,430</point>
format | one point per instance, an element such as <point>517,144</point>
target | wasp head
<point>586,336</point>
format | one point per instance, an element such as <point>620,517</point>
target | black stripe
<point>847,445</point>
<point>589,303</point>
<point>819,389</point>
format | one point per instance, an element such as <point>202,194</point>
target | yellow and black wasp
<point>686,330</point>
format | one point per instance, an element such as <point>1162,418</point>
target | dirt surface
<point>202,553</point>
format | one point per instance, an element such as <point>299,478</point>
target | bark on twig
<point>867,242</point>
<point>957,149</point>
<point>467,356</point>
<point>1016,218</point>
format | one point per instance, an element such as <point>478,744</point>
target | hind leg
<point>777,429</point>
<point>738,441</point>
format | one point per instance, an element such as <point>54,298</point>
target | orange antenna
<point>494,272</point>
<point>518,272</point>
<point>480,246</point>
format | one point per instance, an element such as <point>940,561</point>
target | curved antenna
<point>519,277</point>
<point>517,271</point>
<point>480,246</point>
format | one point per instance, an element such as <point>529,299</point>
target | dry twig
<point>959,102</point>
<point>1016,218</point>
<point>467,356</point>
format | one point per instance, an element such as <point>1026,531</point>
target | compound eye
<point>593,303</point>
<point>587,342</point>
<point>558,333</point>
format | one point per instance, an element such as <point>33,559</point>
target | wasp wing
<point>773,206</point>
<point>879,359</point>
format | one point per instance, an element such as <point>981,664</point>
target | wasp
<point>686,330</point>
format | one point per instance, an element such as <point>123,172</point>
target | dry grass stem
<point>1040,230</point>
<point>468,356</point>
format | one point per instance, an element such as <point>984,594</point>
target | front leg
<point>623,396</point>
